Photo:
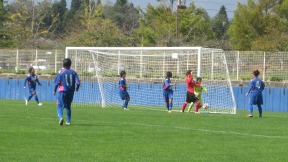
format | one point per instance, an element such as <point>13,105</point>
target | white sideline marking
<point>179,128</point>
<point>207,130</point>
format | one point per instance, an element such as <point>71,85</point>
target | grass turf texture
<point>32,133</point>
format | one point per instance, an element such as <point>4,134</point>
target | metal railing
<point>272,65</point>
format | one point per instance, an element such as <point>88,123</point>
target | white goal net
<point>99,68</point>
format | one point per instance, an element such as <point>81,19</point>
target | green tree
<point>259,26</point>
<point>123,14</point>
<point>220,23</point>
<point>19,22</point>
<point>158,27</point>
<point>59,12</point>
<point>5,37</point>
<point>75,6</point>
<point>73,15</point>
<point>194,26</point>
<point>94,30</point>
<point>1,11</point>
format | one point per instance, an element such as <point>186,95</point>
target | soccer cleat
<point>26,102</point>
<point>250,116</point>
<point>39,104</point>
<point>68,123</point>
<point>169,111</point>
<point>196,112</point>
<point>61,121</point>
<point>125,108</point>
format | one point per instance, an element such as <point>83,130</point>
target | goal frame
<point>199,53</point>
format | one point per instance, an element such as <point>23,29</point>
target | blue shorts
<point>32,91</point>
<point>124,95</point>
<point>65,99</point>
<point>255,99</point>
<point>167,95</point>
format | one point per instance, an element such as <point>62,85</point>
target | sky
<point>211,6</point>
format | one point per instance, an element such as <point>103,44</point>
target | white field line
<point>168,127</point>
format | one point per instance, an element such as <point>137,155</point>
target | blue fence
<point>275,99</point>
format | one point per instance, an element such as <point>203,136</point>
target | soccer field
<point>32,133</point>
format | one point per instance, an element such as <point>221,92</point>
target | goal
<point>99,68</point>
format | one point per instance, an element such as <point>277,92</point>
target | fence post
<point>36,58</point>
<point>264,66</point>
<point>237,67</point>
<point>141,64</point>
<point>199,62</point>
<point>118,66</point>
<point>187,63</point>
<point>76,58</point>
<point>17,61</point>
<point>164,55</point>
<point>55,61</point>
<point>212,67</point>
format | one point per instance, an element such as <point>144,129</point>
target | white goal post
<point>99,68</point>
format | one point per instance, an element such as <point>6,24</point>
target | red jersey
<point>190,84</point>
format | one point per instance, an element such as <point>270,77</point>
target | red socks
<point>197,107</point>
<point>184,106</point>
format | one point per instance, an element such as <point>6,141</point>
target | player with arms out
<point>66,81</point>
<point>198,93</point>
<point>32,79</point>
<point>124,95</point>
<point>255,89</point>
<point>168,92</point>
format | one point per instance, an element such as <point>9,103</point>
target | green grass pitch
<point>31,133</point>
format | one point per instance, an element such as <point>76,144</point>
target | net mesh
<point>99,68</point>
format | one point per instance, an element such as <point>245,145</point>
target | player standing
<point>198,93</point>
<point>32,79</point>
<point>190,96</point>
<point>124,95</point>
<point>255,89</point>
<point>66,81</point>
<point>168,92</point>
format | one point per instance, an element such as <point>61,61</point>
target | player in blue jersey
<point>65,82</point>
<point>32,79</point>
<point>255,89</point>
<point>168,92</point>
<point>124,95</point>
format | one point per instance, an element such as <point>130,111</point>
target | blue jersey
<point>32,79</point>
<point>256,86</point>
<point>122,84</point>
<point>166,85</point>
<point>66,81</point>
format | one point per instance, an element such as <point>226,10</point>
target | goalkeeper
<point>198,93</point>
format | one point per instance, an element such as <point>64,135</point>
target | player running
<point>32,79</point>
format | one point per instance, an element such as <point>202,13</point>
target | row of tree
<point>256,25</point>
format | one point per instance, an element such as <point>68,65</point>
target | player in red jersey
<point>190,96</point>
